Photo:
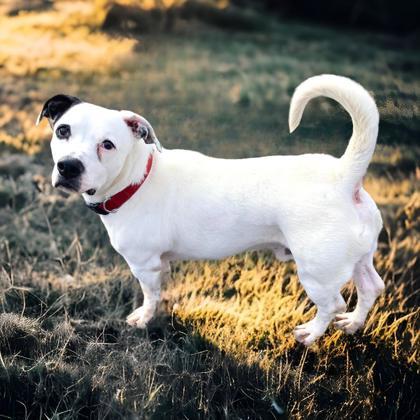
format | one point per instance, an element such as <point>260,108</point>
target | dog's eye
<point>108,145</point>
<point>63,131</point>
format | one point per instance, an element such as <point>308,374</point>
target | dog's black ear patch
<point>56,106</point>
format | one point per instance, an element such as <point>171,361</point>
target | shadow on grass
<point>78,361</point>
<point>102,370</point>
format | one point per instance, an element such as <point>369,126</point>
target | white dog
<point>179,204</point>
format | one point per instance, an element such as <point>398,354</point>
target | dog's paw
<point>347,322</point>
<point>306,334</point>
<point>140,317</point>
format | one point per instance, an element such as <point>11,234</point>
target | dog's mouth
<point>73,186</point>
<point>67,185</point>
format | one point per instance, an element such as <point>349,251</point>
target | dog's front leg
<point>150,284</point>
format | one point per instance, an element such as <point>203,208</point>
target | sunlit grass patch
<point>62,39</point>
<point>248,306</point>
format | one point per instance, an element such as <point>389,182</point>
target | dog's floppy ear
<point>56,106</point>
<point>141,128</point>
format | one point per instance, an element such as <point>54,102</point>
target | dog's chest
<point>130,235</point>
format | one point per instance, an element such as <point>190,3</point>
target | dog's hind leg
<point>369,286</point>
<point>328,300</point>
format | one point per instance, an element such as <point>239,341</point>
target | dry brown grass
<point>60,40</point>
<point>221,345</point>
<point>222,339</point>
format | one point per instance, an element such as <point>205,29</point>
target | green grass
<point>221,345</point>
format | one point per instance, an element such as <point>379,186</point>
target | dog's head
<point>91,144</point>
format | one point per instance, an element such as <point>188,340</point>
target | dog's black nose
<point>70,168</point>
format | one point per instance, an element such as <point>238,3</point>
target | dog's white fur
<point>197,207</point>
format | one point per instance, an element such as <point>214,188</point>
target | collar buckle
<point>104,207</point>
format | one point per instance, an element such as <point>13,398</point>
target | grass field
<point>221,345</point>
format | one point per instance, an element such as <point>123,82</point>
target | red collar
<point>113,203</point>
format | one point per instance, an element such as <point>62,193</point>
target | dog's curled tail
<point>362,109</point>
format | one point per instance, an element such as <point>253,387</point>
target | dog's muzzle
<point>70,170</point>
